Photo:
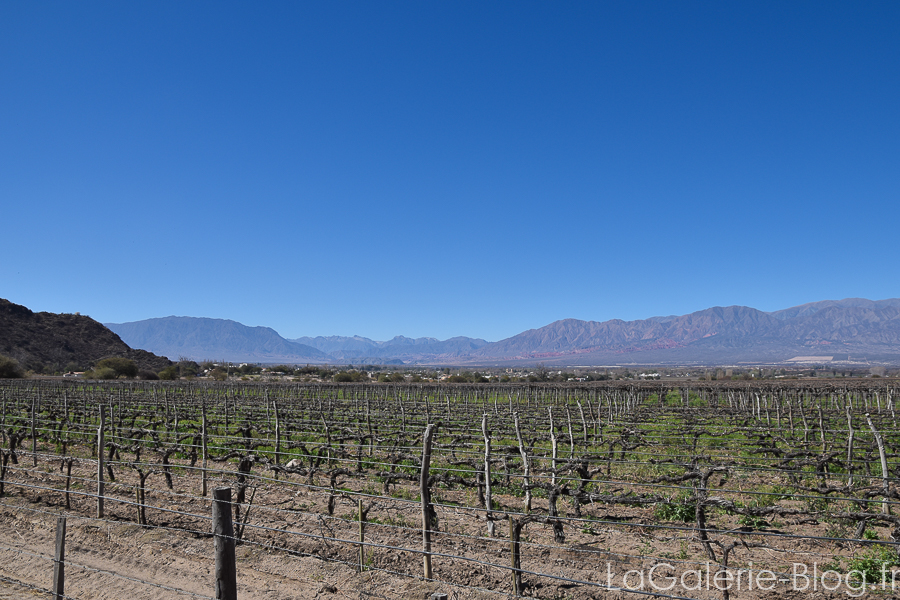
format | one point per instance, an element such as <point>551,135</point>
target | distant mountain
<point>716,335</point>
<point>215,339</point>
<point>854,329</point>
<point>49,342</point>
<point>363,350</point>
<point>804,310</point>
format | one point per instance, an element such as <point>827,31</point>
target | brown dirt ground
<point>276,563</point>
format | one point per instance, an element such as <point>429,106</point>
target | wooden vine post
<point>487,476</point>
<point>526,479</point>
<point>277,436</point>
<point>59,564</point>
<point>204,455</point>
<point>101,445</point>
<point>223,530</point>
<point>425,490</point>
<point>515,558</point>
<point>884,468</point>
<point>362,534</point>
<point>554,448</point>
<point>849,447</point>
<point>34,432</point>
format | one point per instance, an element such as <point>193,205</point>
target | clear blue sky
<point>446,168</point>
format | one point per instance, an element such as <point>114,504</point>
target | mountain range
<point>850,330</point>
<point>200,338</point>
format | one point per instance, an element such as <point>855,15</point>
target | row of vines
<point>547,491</point>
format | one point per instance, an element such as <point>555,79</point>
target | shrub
<point>170,372</point>
<point>104,373</point>
<point>187,368</point>
<point>10,369</point>
<point>148,375</point>
<point>395,377</point>
<point>121,366</point>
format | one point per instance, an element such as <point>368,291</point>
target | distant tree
<point>148,375</point>
<point>188,368</point>
<point>104,373</point>
<point>121,366</point>
<point>395,377</point>
<point>10,369</point>
<point>169,373</point>
<point>286,369</point>
<point>219,374</point>
<point>343,377</point>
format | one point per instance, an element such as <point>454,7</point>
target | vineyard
<point>717,490</point>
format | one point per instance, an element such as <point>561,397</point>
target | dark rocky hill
<point>51,342</point>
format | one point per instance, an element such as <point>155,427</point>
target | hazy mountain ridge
<point>718,334</point>
<point>201,338</point>
<point>364,349</point>
<point>570,335</point>
<point>813,307</point>
<point>715,335</point>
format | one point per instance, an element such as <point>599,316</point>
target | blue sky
<point>446,168</point>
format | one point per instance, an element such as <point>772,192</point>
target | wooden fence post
<point>849,447</point>
<point>204,457</point>
<point>885,474</point>
<point>34,432</point>
<point>223,530</point>
<point>488,500</point>
<point>4,460</point>
<point>426,499</point>
<point>514,559</point>
<point>362,535</point>
<point>59,560</point>
<point>526,479</point>
<point>277,436</point>
<point>101,444</point>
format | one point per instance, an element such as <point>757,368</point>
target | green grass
<point>874,561</point>
<point>679,509</point>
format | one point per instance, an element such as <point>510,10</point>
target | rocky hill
<point>52,342</point>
